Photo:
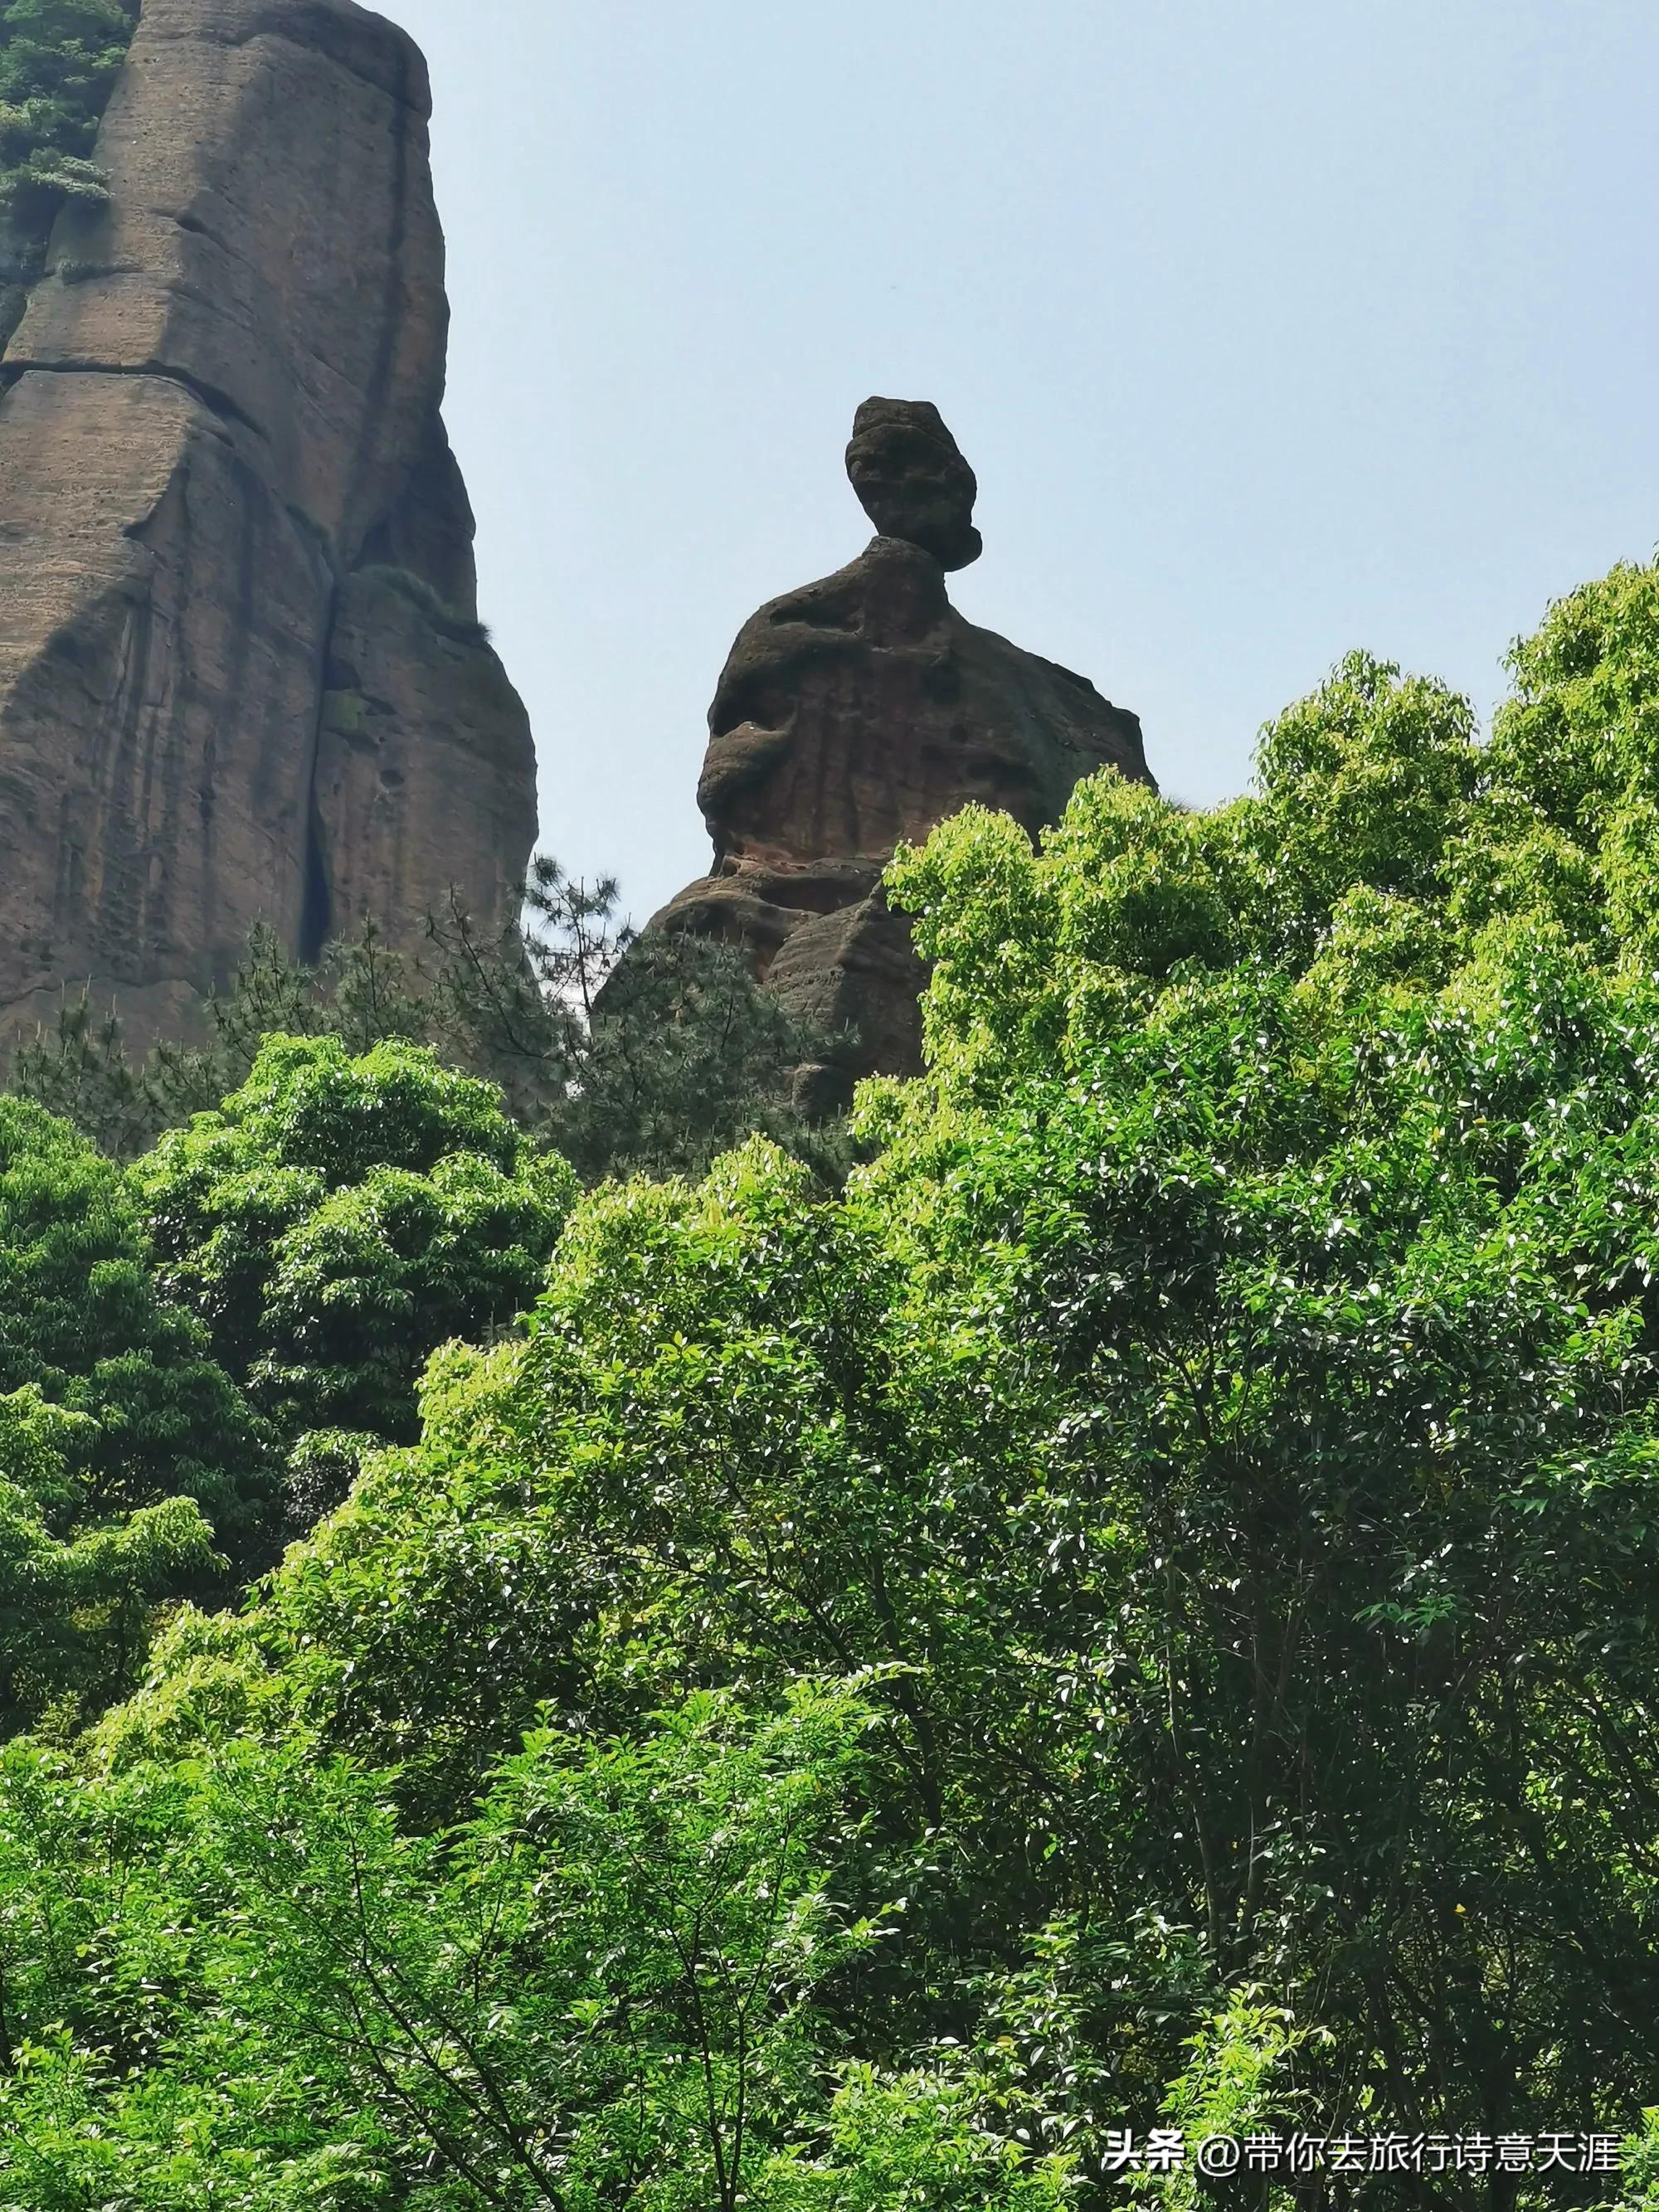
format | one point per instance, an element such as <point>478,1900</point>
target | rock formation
<point>242,674</point>
<point>861,711</point>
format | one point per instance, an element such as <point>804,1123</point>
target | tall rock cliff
<point>859,712</point>
<point>242,674</point>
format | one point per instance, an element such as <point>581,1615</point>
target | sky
<point>1270,330</point>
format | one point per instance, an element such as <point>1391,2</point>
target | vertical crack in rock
<point>389,321</point>
<point>316,899</point>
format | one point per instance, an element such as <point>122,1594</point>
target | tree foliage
<point>128,1461</point>
<point>338,1218</point>
<point>1132,1610</point>
<point>624,1054</point>
<point>83,1321</point>
<point>76,1611</point>
<point>58,63</point>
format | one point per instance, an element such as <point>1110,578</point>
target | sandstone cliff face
<point>862,711</point>
<point>240,671</point>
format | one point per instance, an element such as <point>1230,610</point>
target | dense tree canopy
<point>126,1455</point>
<point>1135,1612</point>
<point>337,1219</point>
<point>83,1320</point>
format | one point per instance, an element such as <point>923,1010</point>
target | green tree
<point>603,1990</point>
<point>81,1068</point>
<point>128,1463</point>
<point>83,1321</point>
<point>628,1054</point>
<point>58,63</point>
<point>1214,1434</point>
<point>338,1218</point>
<point>625,1054</point>
<point>1223,1390</point>
<point>75,1613</point>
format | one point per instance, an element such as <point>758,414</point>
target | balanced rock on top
<point>912,480</point>
<point>863,710</point>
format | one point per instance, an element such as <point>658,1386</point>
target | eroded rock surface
<point>912,480</point>
<point>241,675</point>
<point>863,710</point>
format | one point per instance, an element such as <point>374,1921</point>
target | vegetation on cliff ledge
<point>58,63</point>
<point>1132,1609</point>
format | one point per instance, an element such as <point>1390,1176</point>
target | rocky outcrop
<point>242,674</point>
<point>861,711</point>
<point>912,480</point>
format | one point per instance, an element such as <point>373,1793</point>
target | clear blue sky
<point>1271,330</point>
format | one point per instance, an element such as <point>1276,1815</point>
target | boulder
<point>912,480</point>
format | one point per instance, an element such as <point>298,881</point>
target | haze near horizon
<point>1269,333</point>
